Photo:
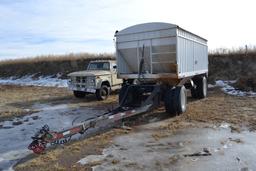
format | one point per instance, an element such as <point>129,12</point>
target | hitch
<point>39,142</point>
<point>137,100</point>
<point>44,136</point>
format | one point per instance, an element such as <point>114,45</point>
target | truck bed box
<point>170,52</point>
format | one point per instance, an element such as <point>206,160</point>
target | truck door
<point>114,79</point>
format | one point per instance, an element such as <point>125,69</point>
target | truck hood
<point>88,73</point>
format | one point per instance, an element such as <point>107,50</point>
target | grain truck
<point>161,60</point>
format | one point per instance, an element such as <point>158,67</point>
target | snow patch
<point>224,125</point>
<point>228,89</point>
<point>92,159</point>
<point>29,80</point>
<point>211,86</point>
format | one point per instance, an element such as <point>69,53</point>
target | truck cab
<point>100,78</point>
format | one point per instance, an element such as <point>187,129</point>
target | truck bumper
<point>81,88</point>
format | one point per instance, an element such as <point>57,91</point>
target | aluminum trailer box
<point>170,52</point>
<point>161,61</point>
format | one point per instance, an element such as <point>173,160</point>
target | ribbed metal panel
<point>192,54</point>
<point>167,49</point>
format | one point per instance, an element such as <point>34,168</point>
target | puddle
<point>214,149</point>
<point>15,138</point>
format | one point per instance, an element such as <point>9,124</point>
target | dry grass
<point>232,64</point>
<point>219,107</point>
<point>246,50</point>
<point>54,58</point>
<point>49,65</point>
<point>214,110</point>
<point>224,64</point>
<point>16,101</point>
<point>66,158</point>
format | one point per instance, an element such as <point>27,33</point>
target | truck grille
<point>84,81</point>
<point>80,79</point>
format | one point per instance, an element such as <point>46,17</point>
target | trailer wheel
<point>169,102</point>
<point>79,94</point>
<point>102,93</point>
<point>200,91</point>
<point>176,100</point>
<point>122,93</point>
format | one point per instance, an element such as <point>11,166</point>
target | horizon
<point>31,28</point>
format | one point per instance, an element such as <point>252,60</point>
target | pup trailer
<point>158,62</point>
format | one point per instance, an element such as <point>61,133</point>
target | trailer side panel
<point>192,54</point>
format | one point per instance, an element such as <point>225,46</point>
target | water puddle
<point>15,135</point>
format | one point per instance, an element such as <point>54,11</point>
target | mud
<point>187,149</point>
<point>154,141</point>
<point>46,106</point>
<point>15,139</point>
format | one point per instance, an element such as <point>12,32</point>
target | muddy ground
<point>17,101</point>
<point>218,130</point>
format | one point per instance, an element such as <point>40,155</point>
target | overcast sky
<point>38,27</point>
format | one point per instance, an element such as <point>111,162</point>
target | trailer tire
<point>79,94</point>
<point>181,95</point>
<point>169,102</point>
<point>122,93</point>
<point>176,100</point>
<point>103,92</point>
<point>200,91</point>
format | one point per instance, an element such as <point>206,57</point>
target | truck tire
<point>176,100</point>
<point>102,93</point>
<point>122,93</point>
<point>79,94</point>
<point>200,91</point>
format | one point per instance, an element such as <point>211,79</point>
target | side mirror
<point>114,67</point>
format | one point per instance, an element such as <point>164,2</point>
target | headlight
<point>72,79</point>
<point>91,81</point>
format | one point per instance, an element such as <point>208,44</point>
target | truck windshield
<point>99,66</point>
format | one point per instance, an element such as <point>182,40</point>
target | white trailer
<point>163,54</point>
<point>157,62</point>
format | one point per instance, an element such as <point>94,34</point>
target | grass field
<point>224,64</point>
<point>49,65</point>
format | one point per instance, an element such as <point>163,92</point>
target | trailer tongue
<point>136,100</point>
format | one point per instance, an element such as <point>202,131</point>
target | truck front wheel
<point>176,100</point>
<point>103,92</point>
<point>79,94</point>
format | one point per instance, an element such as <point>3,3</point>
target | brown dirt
<point>66,158</point>
<point>246,83</point>
<point>219,107</point>
<point>214,110</point>
<point>17,101</point>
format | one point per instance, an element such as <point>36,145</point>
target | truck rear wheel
<point>103,92</point>
<point>176,100</point>
<point>200,91</point>
<point>79,94</point>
